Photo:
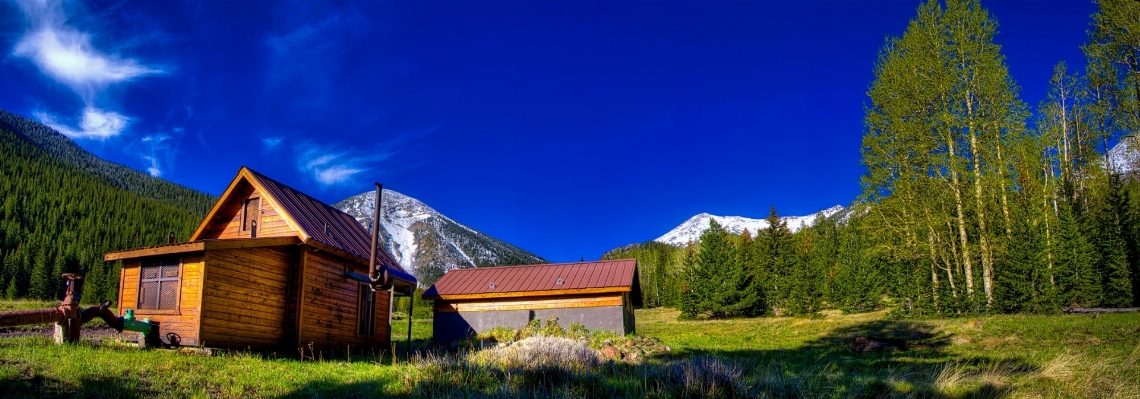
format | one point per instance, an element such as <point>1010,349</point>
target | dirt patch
<point>94,333</point>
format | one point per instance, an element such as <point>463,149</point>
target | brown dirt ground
<point>94,333</point>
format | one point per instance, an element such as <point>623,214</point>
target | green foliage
<point>62,209</point>
<point>421,310</point>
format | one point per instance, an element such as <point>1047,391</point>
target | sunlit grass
<point>994,356</point>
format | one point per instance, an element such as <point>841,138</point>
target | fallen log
<point>1099,310</point>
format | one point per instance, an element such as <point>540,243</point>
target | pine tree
<point>858,283</point>
<point>775,257</point>
<point>1077,280</point>
<point>750,292</point>
<point>716,266</point>
<point>690,294</point>
<point>1021,277</point>
<point>40,286</point>
<point>12,291</point>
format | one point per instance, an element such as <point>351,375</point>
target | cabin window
<point>366,320</point>
<point>158,287</point>
<point>250,216</point>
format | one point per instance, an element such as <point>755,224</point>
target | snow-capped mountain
<point>1124,156</point>
<point>691,230</point>
<point>428,243</point>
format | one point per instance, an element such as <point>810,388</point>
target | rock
<point>611,352</point>
<point>629,342</point>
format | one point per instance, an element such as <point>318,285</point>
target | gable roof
<point>309,216</point>
<point>537,280</point>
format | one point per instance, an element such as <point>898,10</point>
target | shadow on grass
<point>825,367</point>
<point>37,386</point>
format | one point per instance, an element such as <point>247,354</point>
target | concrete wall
<point>452,326</point>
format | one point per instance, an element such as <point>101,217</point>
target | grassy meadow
<point>995,356</point>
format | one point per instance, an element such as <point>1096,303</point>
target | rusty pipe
<point>372,274</point>
<point>66,316</point>
<point>28,317</point>
<point>102,311</point>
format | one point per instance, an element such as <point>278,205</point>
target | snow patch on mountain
<point>426,242</point>
<point>1124,156</point>
<point>690,230</point>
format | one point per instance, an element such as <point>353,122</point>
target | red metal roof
<point>619,275</point>
<point>312,216</point>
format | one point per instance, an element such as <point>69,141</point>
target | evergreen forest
<point>972,200</point>
<point>63,208</point>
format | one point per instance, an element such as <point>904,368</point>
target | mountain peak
<point>691,229</point>
<point>425,241</point>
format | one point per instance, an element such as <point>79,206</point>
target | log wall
<point>183,322</point>
<point>227,222</point>
<point>245,298</point>
<point>330,305</point>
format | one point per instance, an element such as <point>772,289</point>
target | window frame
<point>178,260</point>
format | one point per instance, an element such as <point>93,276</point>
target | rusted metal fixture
<point>68,318</point>
<point>378,281</point>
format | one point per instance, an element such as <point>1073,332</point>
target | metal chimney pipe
<point>372,273</point>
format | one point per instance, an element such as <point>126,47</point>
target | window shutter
<point>251,215</point>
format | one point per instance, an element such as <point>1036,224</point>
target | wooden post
<point>411,306</point>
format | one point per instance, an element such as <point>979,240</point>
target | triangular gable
<point>313,221</point>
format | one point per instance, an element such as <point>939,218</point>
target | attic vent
<point>559,282</point>
<point>326,228</point>
<point>492,285</point>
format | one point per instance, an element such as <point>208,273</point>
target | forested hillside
<point>972,201</point>
<point>63,208</point>
<point>65,150</point>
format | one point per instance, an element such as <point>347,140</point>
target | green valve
<point>130,324</point>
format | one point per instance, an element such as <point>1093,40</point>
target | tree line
<point>971,202</point>
<point>57,217</point>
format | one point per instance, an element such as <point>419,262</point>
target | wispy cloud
<point>158,151</point>
<point>67,56</point>
<point>271,144</point>
<point>333,165</point>
<point>94,124</point>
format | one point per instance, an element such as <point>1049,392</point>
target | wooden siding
<point>227,221</point>
<point>530,303</point>
<point>245,296</point>
<point>330,302</point>
<point>183,322</point>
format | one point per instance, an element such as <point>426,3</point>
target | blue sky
<point>566,128</point>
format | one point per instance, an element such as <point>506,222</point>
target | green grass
<point>995,356</point>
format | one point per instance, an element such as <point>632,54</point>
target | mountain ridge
<point>691,229</point>
<point>428,243</point>
<point>66,150</point>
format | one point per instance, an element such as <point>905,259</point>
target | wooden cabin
<point>269,268</point>
<point>599,295</point>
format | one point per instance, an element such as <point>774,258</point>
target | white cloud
<point>329,165</point>
<point>336,174</point>
<point>67,56</point>
<point>157,151</point>
<point>95,124</point>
